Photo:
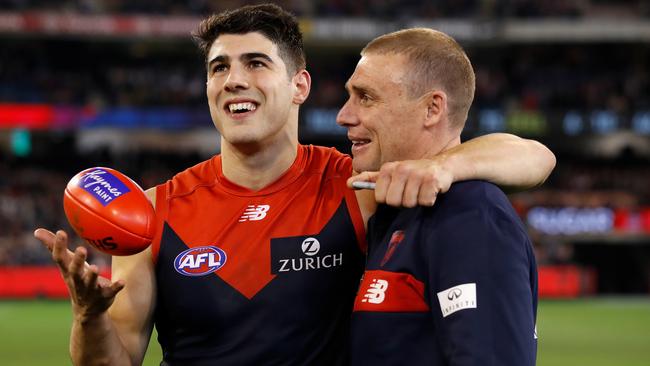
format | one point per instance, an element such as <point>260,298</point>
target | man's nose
<point>346,116</point>
<point>237,79</point>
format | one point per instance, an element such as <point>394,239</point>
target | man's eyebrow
<point>244,57</point>
<point>220,58</point>
<point>359,89</point>
<point>253,55</point>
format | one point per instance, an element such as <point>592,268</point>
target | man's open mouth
<point>239,108</point>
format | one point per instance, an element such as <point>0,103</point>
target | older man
<point>452,284</point>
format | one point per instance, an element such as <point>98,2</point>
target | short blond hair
<point>437,61</point>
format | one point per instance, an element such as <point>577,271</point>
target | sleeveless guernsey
<point>262,277</point>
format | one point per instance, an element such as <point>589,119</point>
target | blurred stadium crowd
<point>361,8</point>
<point>104,73</point>
<point>569,77</point>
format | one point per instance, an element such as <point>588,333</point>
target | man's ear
<point>437,107</point>
<point>301,86</point>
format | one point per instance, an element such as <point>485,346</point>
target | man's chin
<point>243,140</point>
<point>360,166</point>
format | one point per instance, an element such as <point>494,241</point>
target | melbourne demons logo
<point>395,239</point>
<point>200,261</point>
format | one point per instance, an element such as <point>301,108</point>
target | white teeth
<point>247,106</point>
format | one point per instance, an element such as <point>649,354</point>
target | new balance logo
<point>376,292</point>
<point>254,213</point>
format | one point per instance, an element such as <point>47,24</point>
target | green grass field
<point>594,332</point>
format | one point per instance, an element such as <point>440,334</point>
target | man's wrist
<point>449,164</point>
<point>87,318</point>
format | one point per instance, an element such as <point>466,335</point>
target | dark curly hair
<point>278,25</point>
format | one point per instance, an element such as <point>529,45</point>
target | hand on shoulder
<point>408,183</point>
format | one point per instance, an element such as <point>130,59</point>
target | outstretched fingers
<point>89,278</point>
<point>90,292</point>
<point>113,289</point>
<point>57,244</point>
<point>46,237</point>
<point>76,266</point>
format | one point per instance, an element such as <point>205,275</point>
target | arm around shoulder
<point>506,160</point>
<point>509,161</point>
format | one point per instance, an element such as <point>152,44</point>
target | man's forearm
<point>506,160</point>
<point>94,341</point>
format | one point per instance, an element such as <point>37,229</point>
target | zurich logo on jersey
<point>199,261</point>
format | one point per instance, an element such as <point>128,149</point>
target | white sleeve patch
<point>457,298</point>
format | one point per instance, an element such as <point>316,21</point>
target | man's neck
<point>452,142</point>
<point>255,166</point>
<point>434,144</point>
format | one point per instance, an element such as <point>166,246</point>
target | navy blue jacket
<point>453,284</point>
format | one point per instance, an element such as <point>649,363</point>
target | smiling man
<point>452,284</point>
<point>260,248</point>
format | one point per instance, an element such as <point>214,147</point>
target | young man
<point>452,284</point>
<point>287,233</point>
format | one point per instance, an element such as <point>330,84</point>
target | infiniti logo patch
<point>457,298</point>
<point>454,293</point>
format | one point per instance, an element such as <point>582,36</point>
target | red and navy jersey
<point>262,277</point>
<point>452,284</point>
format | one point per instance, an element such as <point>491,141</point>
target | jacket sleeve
<point>483,288</point>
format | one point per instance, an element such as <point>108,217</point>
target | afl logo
<point>199,261</point>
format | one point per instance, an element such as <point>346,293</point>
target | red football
<point>110,211</point>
